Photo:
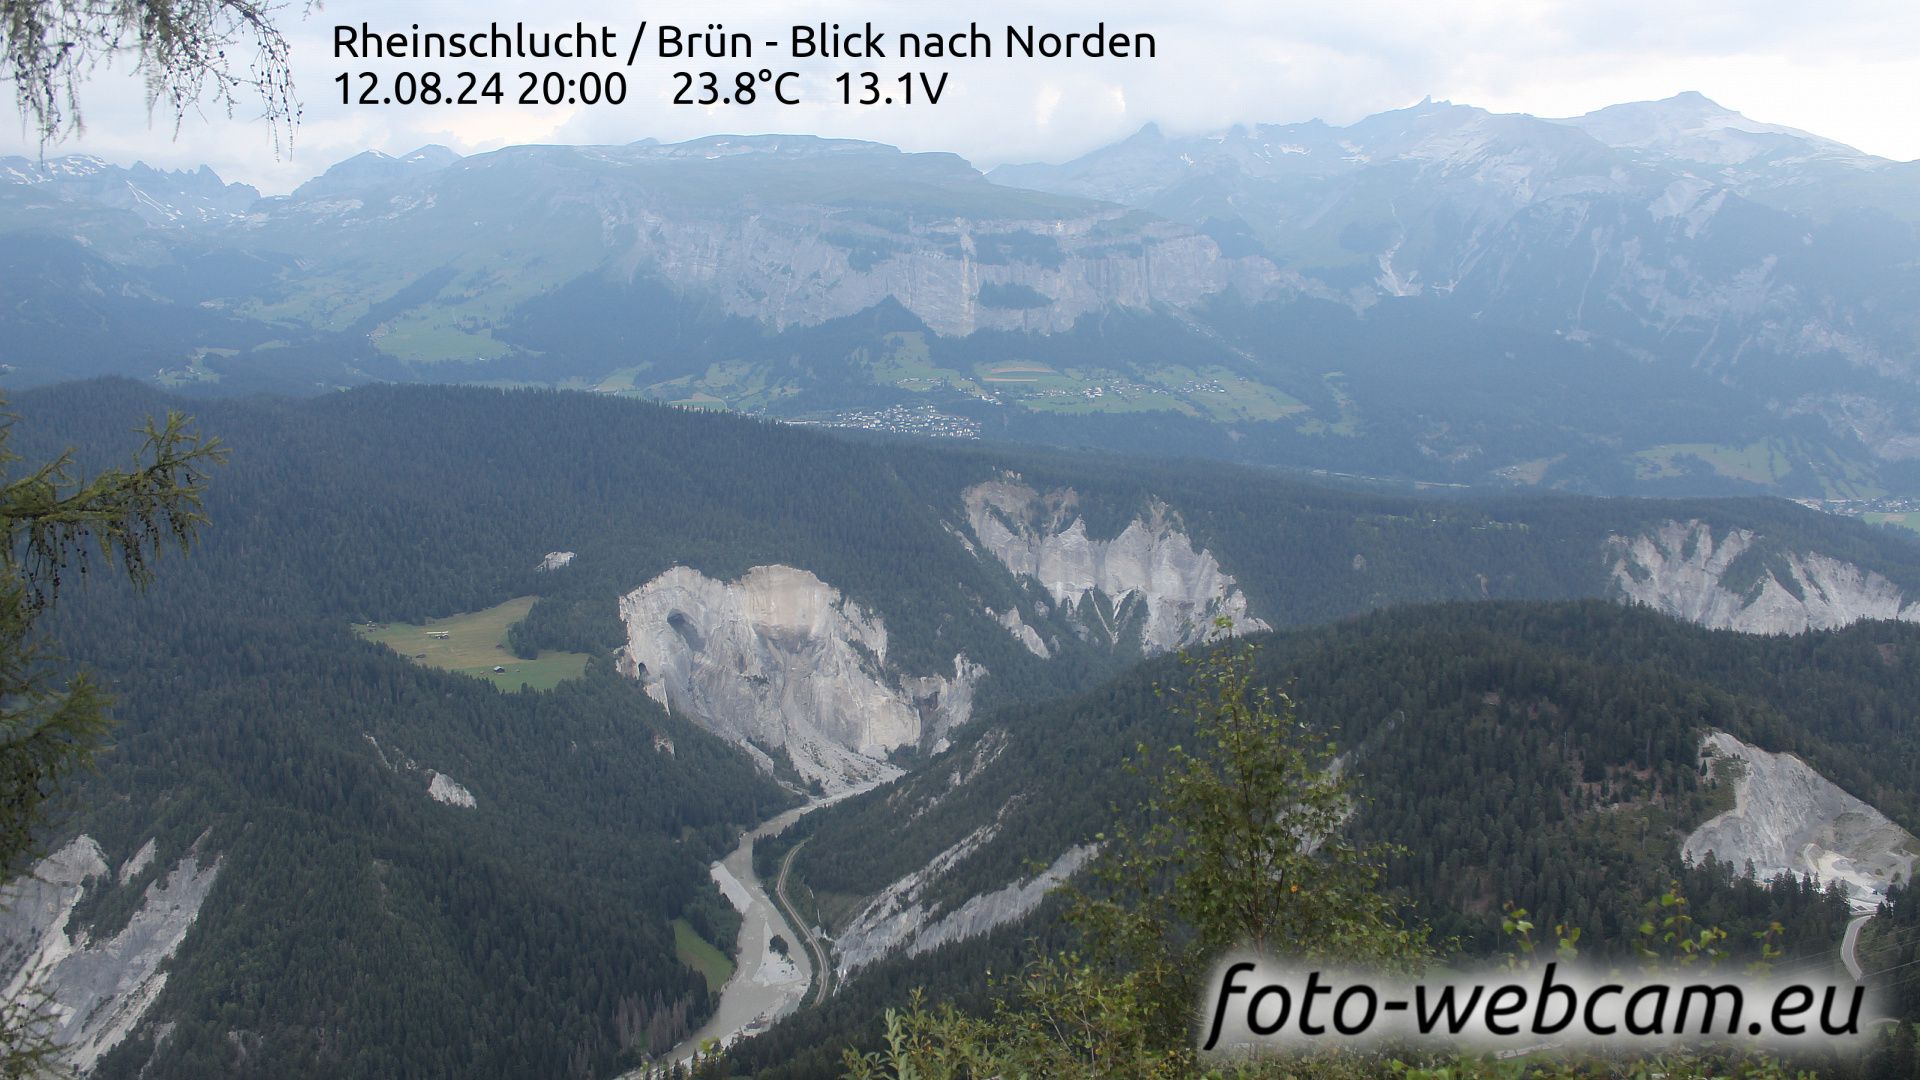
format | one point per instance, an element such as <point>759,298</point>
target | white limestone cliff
<point>98,989</point>
<point>780,660</point>
<point>1017,626</point>
<point>899,920</point>
<point>1150,573</point>
<point>442,788</point>
<point>1679,568</point>
<point>1787,817</point>
<point>796,265</point>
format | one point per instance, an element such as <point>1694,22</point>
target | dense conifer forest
<point>1540,753</point>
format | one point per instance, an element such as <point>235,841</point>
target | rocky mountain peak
<point>1694,127</point>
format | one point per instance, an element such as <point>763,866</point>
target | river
<point>765,985</point>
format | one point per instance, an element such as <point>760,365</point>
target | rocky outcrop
<point>1017,626</point>
<point>445,789</point>
<point>441,788</point>
<point>1150,575</point>
<point>899,920</point>
<point>1788,818</point>
<point>98,990</point>
<point>779,660</point>
<point>802,265</point>
<point>1682,569</point>
<point>555,560</point>
<point>944,704</point>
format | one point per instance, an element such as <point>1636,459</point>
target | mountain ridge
<point>1744,316</point>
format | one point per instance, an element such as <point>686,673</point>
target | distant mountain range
<point>468,689</point>
<point>1658,297</point>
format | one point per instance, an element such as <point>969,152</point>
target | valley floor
<point>765,985</point>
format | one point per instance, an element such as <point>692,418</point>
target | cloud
<point>1841,70</point>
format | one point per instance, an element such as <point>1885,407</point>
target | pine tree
<point>55,524</point>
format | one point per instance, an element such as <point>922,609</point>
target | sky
<point>1843,69</point>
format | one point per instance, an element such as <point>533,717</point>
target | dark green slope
<point>1543,754</point>
<point>360,928</point>
<point>1544,697</point>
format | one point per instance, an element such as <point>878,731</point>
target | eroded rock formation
<point>779,660</point>
<point>1683,570</point>
<point>899,919</point>
<point>445,789</point>
<point>1150,575</point>
<point>1787,817</point>
<point>98,989</point>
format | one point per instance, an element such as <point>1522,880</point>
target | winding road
<point>816,951</point>
<point>765,985</point>
<point>1850,945</point>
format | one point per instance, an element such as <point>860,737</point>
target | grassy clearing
<point>621,380</point>
<point>1530,472</point>
<point>731,384</point>
<point>475,644</point>
<point>907,363</point>
<point>1766,462</point>
<point>700,954</point>
<point>1908,520</point>
<point>427,337</point>
<point>1349,423</point>
<point>1080,406</point>
<point>1756,463</point>
<point>1225,396</point>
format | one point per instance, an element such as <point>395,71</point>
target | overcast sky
<point>1845,70</point>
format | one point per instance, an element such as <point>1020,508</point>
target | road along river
<point>765,985</point>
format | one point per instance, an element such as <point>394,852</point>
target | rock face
<point>1017,626</point>
<point>1682,569</point>
<point>898,919</point>
<point>159,197</point>
<point>555,560</point>
<point>99,989</point>
<point>1714,226</point>
<point>445,789</point>
<point>1786,817</point>
<point>799,266</point>
<point>782,229</point>
<point>779,660</point>
<point>1149,575</point>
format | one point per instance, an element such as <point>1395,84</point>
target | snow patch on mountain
<point>779,660</point>
<point>1150,573</point>
<point>1787,818</point>
<point>98,990</point>
<point>159,197</point>
<point>1682,569</point>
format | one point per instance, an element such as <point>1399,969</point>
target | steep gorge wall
<point>780,660</point>
<point>800,265</point>
<point>98,989</point>
<point>1788,818</point>
<point>901,919</point>
<point>1150,573</point>
<point>1681,569</point>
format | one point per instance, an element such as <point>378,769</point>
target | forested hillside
<point>409,871</point>
<point>1543,755</point>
